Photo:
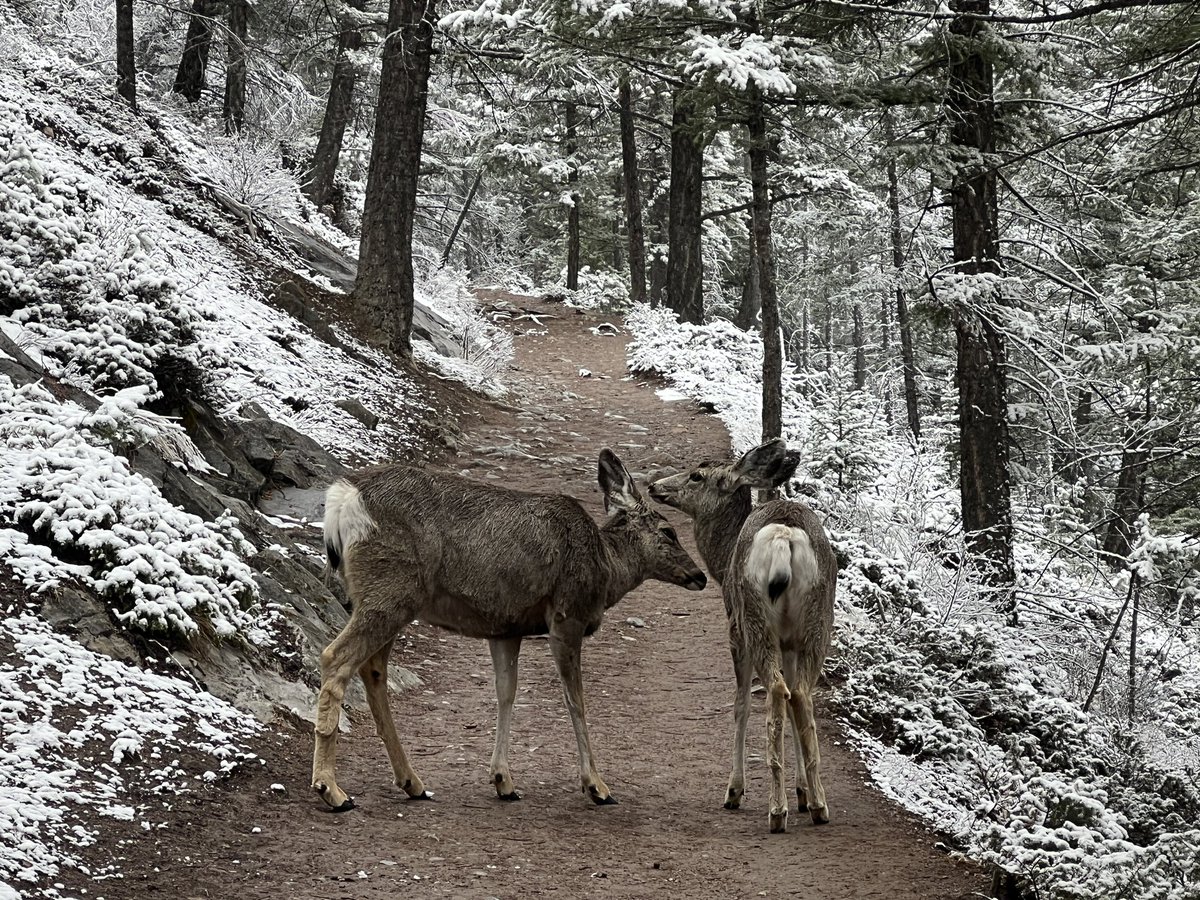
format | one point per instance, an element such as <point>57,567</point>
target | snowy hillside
<point>134,293</point>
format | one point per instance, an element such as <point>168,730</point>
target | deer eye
<point>695,476</point>
<point>670,533</point>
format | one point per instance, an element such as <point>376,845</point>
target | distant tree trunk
<point>748,309</point>
<point>126,67</point>
<point>903,320</point>
<point>234,111</point>
<point>633,196</point>
<point>860,350</point>
<point>338,106</point>
<point>383,293</point>
<point>827,333</point>
<point>189,80</point>
<point>804,339</point>
<point>982,388</point>
<point>764,255</point>
<point>573,215</point>
<point>1080,464</point>
<point>1129,497</point>
<point>685,272</point>
<point>462,216</point>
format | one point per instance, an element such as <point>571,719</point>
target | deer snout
<point>694,580</point>
<point>657,493</point>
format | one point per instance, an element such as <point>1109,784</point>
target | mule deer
<point>778,573</point>
<point>486,562</point>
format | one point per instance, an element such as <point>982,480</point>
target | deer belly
<point>486,618</point>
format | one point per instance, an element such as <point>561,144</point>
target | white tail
<point>346,521</point>
<point>780,558</point>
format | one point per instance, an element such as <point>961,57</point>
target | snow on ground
<point>85,734</point>
<point>975,726</point>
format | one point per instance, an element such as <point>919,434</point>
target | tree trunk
<point>383,293</point>
<point>338,106</point>
<point>827,333</point>
<point>573,216</point>
<point>982,388</point>
<point>908,360</point>
<point>189,80</point>
<point>1129,497</point>
<point>462,216</point>
<point>685,273</point>
<point>860,350</point>
<point>633,197</point>
<point>764,256</point>
<point>126,67</point>
<point>234,111</point>
<point>804,340</point>
<point>748,310</point>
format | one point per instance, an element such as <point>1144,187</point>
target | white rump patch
<point>346,520</point>
<point>783,557</point>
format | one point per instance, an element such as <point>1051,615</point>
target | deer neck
<point>717,531</point>
<point>621,565</point>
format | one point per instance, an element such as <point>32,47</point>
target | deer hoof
<point>424,795</point>
<point>733,799</point>
<point>601,799</point>
<point>346,806</point>
<point>329,795</point>
<point>778,821</point>
<point>510,797</point>
<point>820,815</point>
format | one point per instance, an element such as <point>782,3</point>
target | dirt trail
<point>659,704</point>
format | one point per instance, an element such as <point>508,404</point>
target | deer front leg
<point>504,664</point>
<point>374,678</point>
<point>741,714</point>
<point>565,645</point>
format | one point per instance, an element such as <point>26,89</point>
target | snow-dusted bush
<point>603,290</point>
<point>250,171</point>
<point>80,513</point>
<point>74,270</point>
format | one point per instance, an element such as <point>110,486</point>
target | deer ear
<point>767,465</point>
<point>617,484</point>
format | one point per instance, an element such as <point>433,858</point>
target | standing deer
<point>486,562</point>
<point>778,573</point>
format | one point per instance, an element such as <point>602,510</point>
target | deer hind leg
<point>764,651</point>
<point>743,673</point>
<point>566,645</point>
<point>790,666</point>
<point>802,706</point>
<point>374,678</point>
<point>505,654</point>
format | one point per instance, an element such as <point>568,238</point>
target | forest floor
<point>659,709</point>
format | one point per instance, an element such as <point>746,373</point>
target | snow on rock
<point>74,723</point>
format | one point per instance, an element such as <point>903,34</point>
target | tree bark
<point>571,115</point>
<point>319,186</point>
<point>383,293</point>
<point>126,66</point>
<point>982,389</point>
<point>234,110</point>
<point>633,196</point>
<point>1129,497</point>
<point>751,305</point>
<point>860,350</point>
<point>462,216</point>
<point>908,362</point>
<point>189,79</point>
<point>764,256</point>
<point>685,272</point>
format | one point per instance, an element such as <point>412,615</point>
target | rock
<point>86,618</point>
<point>360,412</point>
<point>636,622</point>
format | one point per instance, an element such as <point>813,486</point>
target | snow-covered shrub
<point>602,290</point>
<point>161,570</point>
<point>250,171</point>
<point>76,273</point>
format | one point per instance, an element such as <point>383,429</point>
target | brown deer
<point>778,574</point>
<point>486,562</point>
